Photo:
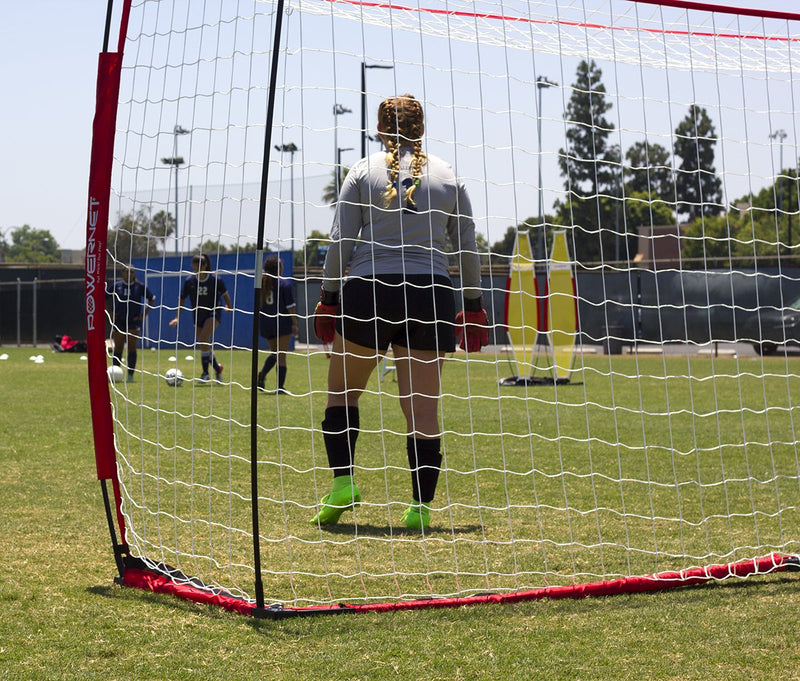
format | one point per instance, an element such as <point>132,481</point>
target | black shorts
<point>128,324</point>
<point>415,311</point>
<point>200,316</point>
<point>271,327</point>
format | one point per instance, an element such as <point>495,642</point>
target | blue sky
<point>48,56</point>
<point>48,64</point>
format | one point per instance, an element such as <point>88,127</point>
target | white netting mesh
<point>672,445</point>
<point>624,32</point>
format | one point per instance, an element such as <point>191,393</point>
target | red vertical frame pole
<point>102,156</point>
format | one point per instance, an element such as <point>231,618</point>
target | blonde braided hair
<point>401,122</point>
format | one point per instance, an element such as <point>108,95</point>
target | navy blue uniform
<point>128,304</point>
<point>204,297</point>
<point>275,319</point>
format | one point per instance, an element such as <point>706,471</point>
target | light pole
<point>541,83</point>
<point>338,110</point>
<point>339,151</point>
<point>364,67</point>
<point>290,149</point>
<point>781,135</point>
<point>176,161</point>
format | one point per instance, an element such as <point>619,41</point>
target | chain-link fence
<point>34,312</point>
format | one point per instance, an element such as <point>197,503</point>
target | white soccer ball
<point>173,377</point>
<point>115,374</point>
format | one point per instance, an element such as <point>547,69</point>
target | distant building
<point>659,247</point>
<point>74,256</point>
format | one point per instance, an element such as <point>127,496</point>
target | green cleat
<point>417,516</point>
<point>336,503</point>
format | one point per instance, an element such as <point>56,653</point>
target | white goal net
<point>660,141</point>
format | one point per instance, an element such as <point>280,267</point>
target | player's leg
<point>204,330</point>
<point>350,367</point>
<point>269,362</point>
<point>132,341</point>
<point>419,359</point>
<point>217,366</point>
<point>118,338</point>
<point>283,343</point>
<point>419,388</point>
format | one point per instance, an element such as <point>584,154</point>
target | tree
<point>648,171</point>
<point>697,186</point>
<point>30,245</point>
<point>590,167</point>
<point>213,246</point>
<point>313,251</point>
<point>642,209</point>
<point>754,230</point>
<point>140,234</point>
<point>780,201</point>
<point>506,245</point>
<point>502,250</point>
<point>482,246</point>
<point>329,193</point>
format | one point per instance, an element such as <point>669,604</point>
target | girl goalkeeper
<point>399,207</point>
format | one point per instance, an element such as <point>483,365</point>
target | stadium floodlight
<point>651,448</point>
<point>338,110</point>
<point>291,148</point>
<point>339,151</point>
<point>364,133</point>
<point>541,83</point>
<point>176,161</point>
<point>781,135</point>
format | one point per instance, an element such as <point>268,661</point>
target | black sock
<point>214,362</point>
<point>269,362</point>
<point>281,376</point>
<point>116,360</point>
<point>131,361</point>
<point>424,461</point>
<point>206,358</point>
<point>340,431</point>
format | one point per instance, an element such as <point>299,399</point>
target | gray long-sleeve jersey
<point>400,240</point>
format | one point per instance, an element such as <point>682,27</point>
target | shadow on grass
<point>384,531</point>
<point>131,594</point>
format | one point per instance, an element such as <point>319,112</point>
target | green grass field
<point>63,618</point>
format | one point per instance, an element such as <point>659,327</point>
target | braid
<point>393,164</point>
<point>402,123</point>
<point>417,161</point>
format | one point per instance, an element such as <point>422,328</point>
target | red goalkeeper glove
<point>472,330</point>
<point>325,315</point>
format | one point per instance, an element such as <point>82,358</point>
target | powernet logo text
<point>92,263</point>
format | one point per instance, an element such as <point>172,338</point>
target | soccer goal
<point>633,172</point>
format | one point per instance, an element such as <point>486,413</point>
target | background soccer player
<point>131,302</point>
<point>204,291</point>
<point>277,319</point>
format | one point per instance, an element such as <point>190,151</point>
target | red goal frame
<point>162,579</point>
